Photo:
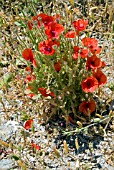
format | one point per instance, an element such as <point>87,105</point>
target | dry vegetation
<point>15,105</point>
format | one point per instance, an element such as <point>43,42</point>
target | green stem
<point>77,130</point>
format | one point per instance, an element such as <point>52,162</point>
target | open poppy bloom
<point>30,25</point>
<point>70,34</point>
<point>46,47</point>
<point>90,42</point>
<point>95,50</point>
<point>87,107</point>
<point>93,62</point>
<point>37,147</point>
<point>90,84</point>
<point>80,25</point>
<point>43,19</point>
<point>83,53</point>
<point>54,30</point>
<point>101,77</point>
<point>57,66</point>
<point>28,124</point>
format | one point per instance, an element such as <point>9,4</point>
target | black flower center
<point>47,48</point>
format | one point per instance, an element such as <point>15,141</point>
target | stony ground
<point>89,149</point>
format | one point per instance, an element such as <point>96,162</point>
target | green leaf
<point>20,23</point>
<point>15,157</point>
<point>1,83</point>
<point>8,78</point>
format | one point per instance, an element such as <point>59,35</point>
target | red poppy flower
<point>34,63</point>
<point>52,94</point>
<point>46,92</point>
<point>37,147</point>
<point>57,66</point>
<point>76,50</point>
<point>30,25</point>
<point>90,84</point>
<point>28,124</point>
<point>95,50</point>
<point>30,88</point>
<point>54,42</point>
<point>54,30</point>
<point>30,77</point>
<point>84,53</point>
<point>70,34</point>
<point>103,64</point>
<point>90,42</point>
<point>75,56</point>
<point>43,91</point>
<point>93,62</point>
<point>31,95</point>
<point>43,19</point>
<point>101,77</point>
<point>57,16</point>
<point>46,47</point>
<point>71,120</point>
<point>64,58</point>
<point>87,107</point>
<point>80,25</point>
<point>28,54</point>
<point>29,69</point>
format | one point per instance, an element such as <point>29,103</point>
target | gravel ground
<point>91,149</point>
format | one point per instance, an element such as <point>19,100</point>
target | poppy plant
<point>68,64</point>
<point>101,77</point>
<point>28,124</point>
<point>54,30</point>
<point>90,84</point>
<point>80,25</point>
<point>87,107</point>
<point>93,62</point>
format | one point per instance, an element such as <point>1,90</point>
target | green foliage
<point>15,157</point>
